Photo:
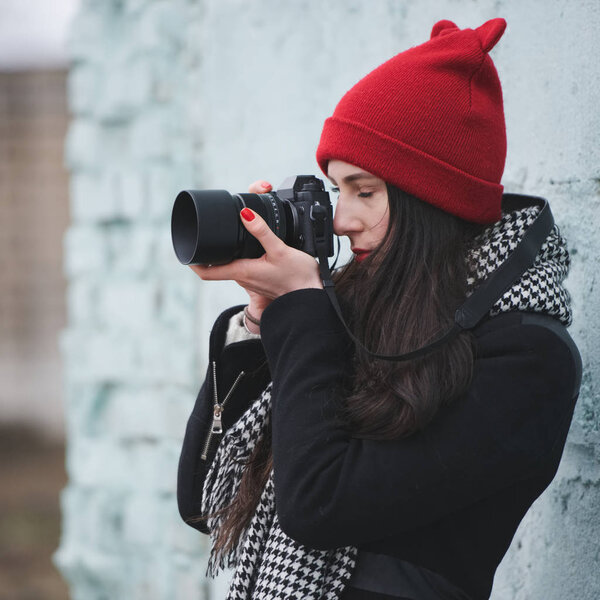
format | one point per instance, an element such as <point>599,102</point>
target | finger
<point>233,270</point>
<point>260,187</point>
<point>257,226</point>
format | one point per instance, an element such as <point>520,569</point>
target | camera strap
<point>479,303</point>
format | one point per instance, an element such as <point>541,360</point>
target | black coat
<point>449,498</point>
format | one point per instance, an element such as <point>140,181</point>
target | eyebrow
<point>353,177</point>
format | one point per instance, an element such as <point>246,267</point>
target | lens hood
<point>205,227</point>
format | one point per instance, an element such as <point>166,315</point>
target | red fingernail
<point>265,185</point>
<point>247,214</point>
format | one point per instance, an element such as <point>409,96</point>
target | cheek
<point>379,230</point>
<point>381,216</point>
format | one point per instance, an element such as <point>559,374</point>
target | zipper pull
<point>217,423</point>
<point>217,426</point>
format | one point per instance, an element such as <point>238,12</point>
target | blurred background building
<point>34,209</point>
<point>105,334</point>
<point>34,216</point>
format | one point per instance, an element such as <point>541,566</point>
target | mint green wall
<point>132,346</point>
<point>217,93</point>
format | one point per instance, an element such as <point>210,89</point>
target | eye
<point>335,190</point>
<point>365,194</point>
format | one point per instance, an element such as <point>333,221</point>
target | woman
<point>321,472</point>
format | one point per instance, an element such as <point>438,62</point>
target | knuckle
<point>258,229</point>
<point>262,228</point>
<point>254,187</point>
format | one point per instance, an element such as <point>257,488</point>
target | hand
<point>280,270</point>
<point>257,302</point>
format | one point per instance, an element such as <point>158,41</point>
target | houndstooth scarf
<point>270,565</point>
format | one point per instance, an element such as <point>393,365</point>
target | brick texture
<point>131,346</point>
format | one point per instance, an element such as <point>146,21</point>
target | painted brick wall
<point>132,346</point>
<point>218,93</point>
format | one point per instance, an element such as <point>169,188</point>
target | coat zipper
<point>216,427</point>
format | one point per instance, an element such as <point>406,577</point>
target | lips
<point>360,254</point>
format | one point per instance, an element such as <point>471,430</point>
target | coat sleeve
<point>245,355</point>
<point>335,490</point>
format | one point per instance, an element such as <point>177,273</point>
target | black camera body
<point>308,202</point>
<point>206,227</point>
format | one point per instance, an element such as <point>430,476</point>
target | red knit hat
<point>431,122</point>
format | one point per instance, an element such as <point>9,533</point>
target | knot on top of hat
<point>442,28</point>
<point>490,32</point>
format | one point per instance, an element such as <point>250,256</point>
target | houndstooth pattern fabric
<point>223,477</point>
<point>540,288</point>
<point>269,565</point>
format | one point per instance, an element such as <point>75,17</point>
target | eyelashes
<point>336,190</point>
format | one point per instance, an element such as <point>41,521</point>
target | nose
<point>345,221</point>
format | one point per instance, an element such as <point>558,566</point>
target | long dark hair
<point>403,295</point>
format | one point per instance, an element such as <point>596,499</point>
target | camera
<point>206,227</point>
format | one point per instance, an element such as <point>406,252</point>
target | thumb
<point>257,226</point>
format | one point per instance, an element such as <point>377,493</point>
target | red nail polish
<point>247,214</point>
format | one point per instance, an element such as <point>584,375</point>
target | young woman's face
<point>362,208</point>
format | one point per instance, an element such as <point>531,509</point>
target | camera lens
<point>206,226</point>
